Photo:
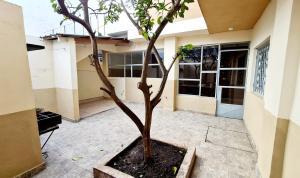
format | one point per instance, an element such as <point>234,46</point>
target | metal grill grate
<point>261,67</point>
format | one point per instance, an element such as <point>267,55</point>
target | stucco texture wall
<point>42,74</point>
<point>88,81</point>
<point>260,123</point>
<point>19,139</point>
<point>270,119</point>
<point>126,87</point>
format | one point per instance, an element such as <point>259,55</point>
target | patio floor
<point>223,146</point>
<point>94,107</point>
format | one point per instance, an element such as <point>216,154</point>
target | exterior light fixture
<point>230,29</point>
<point>100,56</point>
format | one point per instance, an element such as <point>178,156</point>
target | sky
<point>39,16</point>
<point>40,19</point>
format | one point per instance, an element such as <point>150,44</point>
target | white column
<point>65,74</point>
<point>169,95</point>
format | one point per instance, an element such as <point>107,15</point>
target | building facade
<point>245,65</point>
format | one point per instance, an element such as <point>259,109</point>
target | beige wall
<point>19,139</point>
<point>20,144</point>
<point>12,39</point>
<point>68,103</point>
<point>83,50</point>
<point>46,99</point>
<point>270,119</point>
<point>201,104</point>
<point>65,77</point>
<point>88,81</point>
<point>291,167</point>
<point>42,74</point>
<point>260,123</point>
<point>126,87</point>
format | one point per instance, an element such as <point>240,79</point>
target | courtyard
<point>222,79</point>
<point>223,146</point>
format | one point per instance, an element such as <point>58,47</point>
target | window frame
<point>131,65</point>
<point>260,91</point>
<point>201,72</point>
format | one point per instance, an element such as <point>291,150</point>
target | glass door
<point>231,83</point>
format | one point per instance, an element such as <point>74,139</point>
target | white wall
<point>64,60</point>
<point>41,64</point>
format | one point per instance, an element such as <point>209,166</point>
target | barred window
<point>260,71</point>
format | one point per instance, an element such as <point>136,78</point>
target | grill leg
<point>47,139</point>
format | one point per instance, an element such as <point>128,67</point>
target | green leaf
<point>159,19</point>
<point>174,169</point>
<point>76,158</point>
<point>145,35</point>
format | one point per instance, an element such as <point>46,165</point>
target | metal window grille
<point>260,71</point>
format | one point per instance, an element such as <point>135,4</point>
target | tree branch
<point>153,39</point>
<point>111,90</point>
<point>157,56</point>
<point>159,60</point>
<point>157,98</point>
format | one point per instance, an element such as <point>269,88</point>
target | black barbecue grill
<point>47,122</point>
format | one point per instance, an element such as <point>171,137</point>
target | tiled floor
<point>95,107</point>
<point>223,146</point>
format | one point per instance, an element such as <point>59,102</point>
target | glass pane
<point>116,71</point>
<point>193,56</point>
<point>153,58</point>
<point>210,57</point>
<point>137,57</point>
<point>227,46</point>
<point>233,59</point>
<point>232,77</point>
<point>116,59</point>
<point>208,85</point>
<point>161,53</point>
<point>128,71</point>
<point>189,87</point>
<point>189,71</point>
<point>232,96</point>
<point>154,72</point>
<point>128,58</point>
<point>136,71</point>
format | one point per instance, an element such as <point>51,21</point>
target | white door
<point>231,83</point>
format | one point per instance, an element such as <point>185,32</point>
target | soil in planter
<point>165,164</point>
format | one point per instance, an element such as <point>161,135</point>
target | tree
<point>150,18</point>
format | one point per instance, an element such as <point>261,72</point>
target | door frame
<point>219,88</point>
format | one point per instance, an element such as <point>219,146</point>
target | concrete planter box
<point>103,171</point>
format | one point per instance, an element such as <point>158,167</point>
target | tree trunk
<point>146,133</point>
<point>110,90</point>
<point>148,119</point>
<point>147,147</point>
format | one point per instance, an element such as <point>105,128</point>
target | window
<point>232,96</point>
<point>198,71</point>
<point>260,71</point>
<point>131,64</point>
<point>116,65</point>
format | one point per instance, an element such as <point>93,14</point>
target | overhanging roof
<point>226,15</point>
<point>82,39</point>
<point>33,47</point>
